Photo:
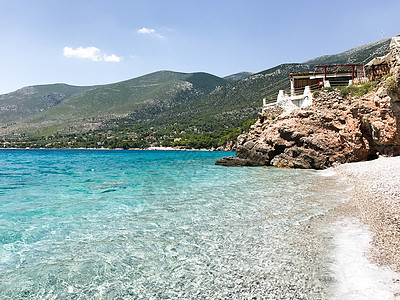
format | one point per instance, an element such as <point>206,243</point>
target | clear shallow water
<point>82,224</point>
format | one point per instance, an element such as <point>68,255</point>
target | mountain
<point>31,100</point>
<point>237,76</point>
<point>164,107</point>
<point>235,102</point>
<point>361,54</point>
<point>86,110</point>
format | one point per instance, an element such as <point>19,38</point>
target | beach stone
<point>377,201</point>
<point>232,161</point>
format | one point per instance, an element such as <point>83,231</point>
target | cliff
<point>335,129</point>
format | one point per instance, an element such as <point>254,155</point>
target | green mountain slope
<point>32,100</point>
<point>233,103</point>
<point>361,54</point>
<point>238,101</point>
<point>150,93</point>
<point>237,76</point>
<point>165,107</point>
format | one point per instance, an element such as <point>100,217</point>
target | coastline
<point>130,149</point>
<point>367,244</point>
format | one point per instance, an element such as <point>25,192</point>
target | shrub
<point>353,90</point>
<point>366,88</point>
<point>391,84</point>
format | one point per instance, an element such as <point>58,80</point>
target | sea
<point>116,224</point>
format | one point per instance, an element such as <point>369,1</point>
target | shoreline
<point>119,149</point>
<point>367,242</point>
<point>375,196</point>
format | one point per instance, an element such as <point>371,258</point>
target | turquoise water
<point>82,224</point>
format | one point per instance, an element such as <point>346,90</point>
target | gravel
<point>376,199</point>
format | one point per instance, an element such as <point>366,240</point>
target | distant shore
<point>135,149</point>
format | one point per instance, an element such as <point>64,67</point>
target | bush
<point>366,88</point>
<point>391,84</point>
<point>352,90</point>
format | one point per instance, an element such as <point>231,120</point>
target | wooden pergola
<point>352,66</point>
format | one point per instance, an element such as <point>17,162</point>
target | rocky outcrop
<point>335,129</point>
<point>229,146</point>
<point>393,82</point>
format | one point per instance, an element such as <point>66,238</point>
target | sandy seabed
<point>367,241</point>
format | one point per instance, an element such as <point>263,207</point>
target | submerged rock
<point>232,161</point>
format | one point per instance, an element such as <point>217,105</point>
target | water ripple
<point>169,225</point>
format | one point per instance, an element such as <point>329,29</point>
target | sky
<point>87,42</point>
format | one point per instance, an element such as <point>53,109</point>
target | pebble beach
<point>375,201</point>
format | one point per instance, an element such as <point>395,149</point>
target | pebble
<point>376,194</point>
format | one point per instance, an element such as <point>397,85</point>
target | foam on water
<point>358,278</point>
<point>327,173</point>
<point>161,225</point>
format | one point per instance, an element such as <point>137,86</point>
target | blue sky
<point>85,42</point>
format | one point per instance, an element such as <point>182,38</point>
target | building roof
<point>380,60</point>
<point>341,69</point>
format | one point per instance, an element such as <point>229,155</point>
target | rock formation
<point>334,129</point>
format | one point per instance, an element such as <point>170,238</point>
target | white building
<point>303,84</point>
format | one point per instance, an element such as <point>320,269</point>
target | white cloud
<point>112,57</point>
<point>151,31</point>
<point>91,53</point>
<point>145,30</point>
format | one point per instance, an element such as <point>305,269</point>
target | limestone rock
<point>334,129</point>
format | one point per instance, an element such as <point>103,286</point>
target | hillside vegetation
<point>361,54</point>
<point>32,100</point>
<point>165,108</point>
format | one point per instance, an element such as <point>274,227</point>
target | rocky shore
<point>376,201</point>
<point>336,128</point>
